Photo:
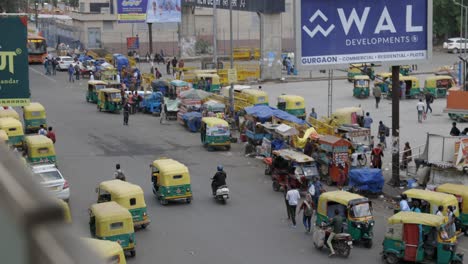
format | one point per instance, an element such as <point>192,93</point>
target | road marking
<point>43,75</point>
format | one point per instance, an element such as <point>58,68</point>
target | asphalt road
<point>250,228</point>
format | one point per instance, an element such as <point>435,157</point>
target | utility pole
<point>395,126</point>
<point>215,33</point>
<point>231,90</point>
<point>36,5</point>
<point>150,35</point>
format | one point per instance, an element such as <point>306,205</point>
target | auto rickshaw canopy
<point>39,145</point>
<point>292,155</point>
<point>11,126</point>
<point>434,198</point>
<point>292,101</point>
<point>168,169</point>
<point>3,136</point>
<point>66,211</point>
<point>105,248</point>
<point>111,212</point>
<point>122,191</point>
<point>179,83</point>
<point>256,96</point>
<point>34,111</point>
<point>95,83</point>
<point>361,77</point>
<point>110,91</point>
<point>344,115</point>
<point>417,218</point>
<point>9,113</point>
<point>214,121</point>
<point>457,190</point>
<point>342,197</point>
<point>431,82</point>
<point>214,77</point>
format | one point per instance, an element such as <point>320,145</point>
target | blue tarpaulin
<point>192,120</point>
<point>120,61</point>
<point>263,113</point>
<point>366,179</point>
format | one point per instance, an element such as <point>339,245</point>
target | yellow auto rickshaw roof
<point>34,107</point>
<point>439,77</point>
<point>66,210</point>
<point>3,135</point>
<point>255,92</point>
<point>417,218</point>
<point>341,197</point>
<point>179,83</point>
<point>110,211</point>
<point>214,121</point>
<point>361,77</point>
<point>96,82</point>
<point>291,97</point>
<point>348,110</point>
<point>10,122</point>
<point>38,140</point>
<point>9,113</point>
<point>408,78</point>
<point>290,154</point>
<point>457,189</point>
<point>105,248</point>
<point>170,166</point>
<point>368,64</point>
<point>109,90</point>
<point>208,75</point>
<point>121,188</point>
<point>432,197</point>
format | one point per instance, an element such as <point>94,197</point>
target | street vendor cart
<point>333,154</point>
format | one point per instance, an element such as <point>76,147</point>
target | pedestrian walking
<point>451,220</point>
<point>71,71</point>
<point>376,157</point>
<point>383,132</point>
<point>403,90</point>
<point>341,177</point>
<point>77,71</point>
<point>371,142</point>
<point>51,134</point>
<point>54,66</point>
<point>126,113</point>
<point>454,132</point>
<point>420,107</point>
<point>429,100</point>
<point>285,191</point>
<point>368,121</point>
<point>157,73</point>
<point>117,78</point>
<point>119,174</point>
<point>407,156</point>
<point>377,94</point>
<point>316,191</point>
<point>46,66</point>
<point>293,197</point>
<point>313,114</point>
<point>308,209</point>
<point>168,67</point>
<point>181,64</point>
<point>174,64</point>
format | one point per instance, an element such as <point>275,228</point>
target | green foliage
<point>446,19</point>
<point>202,46</point>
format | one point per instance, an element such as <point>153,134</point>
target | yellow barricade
<point>242,54</point>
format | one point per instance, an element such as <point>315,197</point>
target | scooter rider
<point>219,179</point>
<point>336,224</point>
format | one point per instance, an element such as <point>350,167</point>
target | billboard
<point>131,11</point>
<point>14,71</point>
<point>263,6</point>
<point>164,11</point>
<point>133,43</point>
<point>331,32</point>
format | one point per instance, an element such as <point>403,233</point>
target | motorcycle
<point>222,194</point>
<point>342,242</point>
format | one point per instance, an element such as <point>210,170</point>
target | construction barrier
<point>242,53</point>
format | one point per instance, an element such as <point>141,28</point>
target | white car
<point>51,178</point>
<point>64,62</point>
<point>455,45</point>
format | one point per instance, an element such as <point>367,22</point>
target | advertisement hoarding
<point>331,32</point>
<point>14,71</point>
<point>164,11</point>
<point>131,11</point>
<point>263,6</point>
<point>133,43</point>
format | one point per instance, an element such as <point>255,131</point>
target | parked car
<point>51,178</point>
<point>455,45</point>
<point>64,62</point>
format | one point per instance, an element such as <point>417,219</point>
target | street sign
<point>232,76</point>
<point>331,32</point>
<point>14,71</point>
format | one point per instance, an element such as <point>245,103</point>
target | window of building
<point>82,7</point>
<point>96,7</point>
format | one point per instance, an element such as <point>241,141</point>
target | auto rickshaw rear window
<point>132,201</point>
<point>331,206</point>
<point>114,259</point>
<point>36,113</point>
<point>117,225</point>
<point>116,96</point>
<point>12,129</point>
<point>175,177</point>
<point>298,103</point>
<point>47,176</point>
<point>43,150</point>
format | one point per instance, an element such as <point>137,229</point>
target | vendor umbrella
<point>193,94</point>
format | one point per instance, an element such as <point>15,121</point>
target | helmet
<point>220,167</point>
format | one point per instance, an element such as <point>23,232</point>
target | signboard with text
<point>131,11</point>
<point>14,71</point>
<point>263,6</point>
<point>164,11</point>
<point>332,32</point>
<point>133,43</point>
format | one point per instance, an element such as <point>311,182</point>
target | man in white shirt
<point>293,196</point>
<point>421,109</point>
<point>42,131</point>
<point>404,207</point>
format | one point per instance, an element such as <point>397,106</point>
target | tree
<point>446,19</point>
<point>73,3</point>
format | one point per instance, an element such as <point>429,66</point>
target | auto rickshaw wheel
<point>228,147</point>
<point>368,243</point>
<point>391,258</point>
<point>132,253</point>
<point>276,186</point>
<point>188,200</point>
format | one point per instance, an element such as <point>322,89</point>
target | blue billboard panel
<point>352,31</point>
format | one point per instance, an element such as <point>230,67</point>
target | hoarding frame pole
<point>36,5</point>
<point>215,34</point>
<point>150,35</point>
<point>395,143</point>
<point>231,89</point>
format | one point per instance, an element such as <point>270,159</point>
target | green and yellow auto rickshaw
<point>9,113</point>
<point>413,87</point>
<point>414,237</point>
<point>439,85</point>
<point>461,193</point>
<point>3,137</point>
<point>430,201</point>
<point>110,221</point>
<point>109,100</point>
<point>361,69</point>
<point>293,104</point>
<point>14,130</point>
<point>179,86</point>
<point>67,218</point>
<point>171,181</point>
<point>361,87</point>
<point>383,80</point>
<point>111,252</point>
<point>129,196</point>
<point>215,133</point>
<point>254,96</point>
<point>39,149</point>
<point>208,82</point>
<point>92,92</point>
<point>405,70</point>
<point>34,116</point>
<point>356,209</point>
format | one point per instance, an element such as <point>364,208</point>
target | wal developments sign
<point>131,11</point>
<point>14,71</point>
<point>331,32</point>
